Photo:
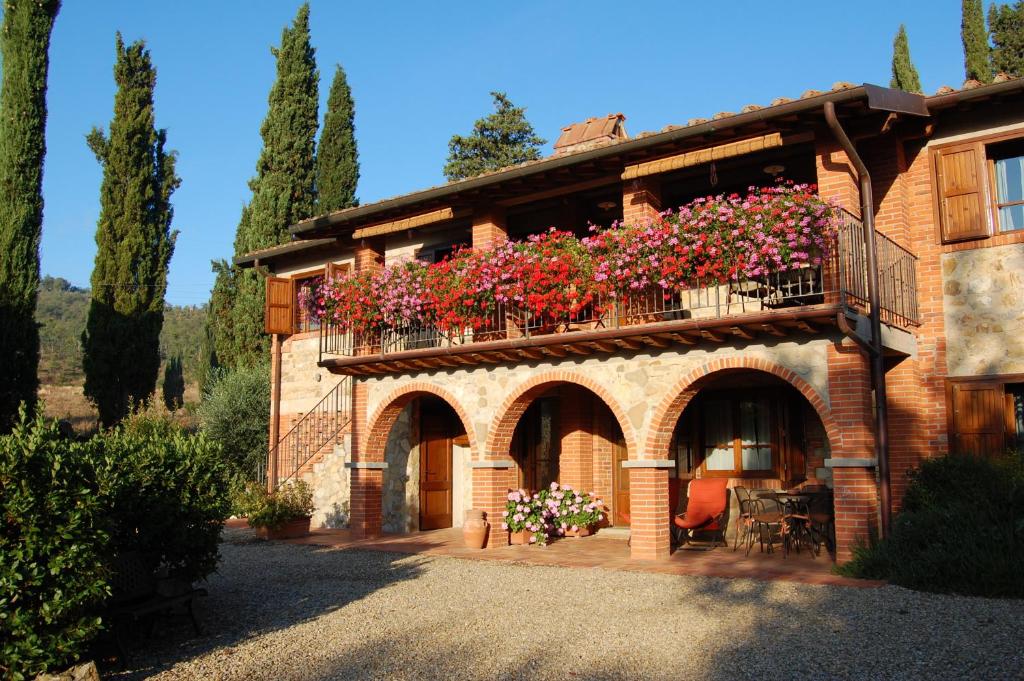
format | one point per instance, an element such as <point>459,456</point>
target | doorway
<point>436,439</point>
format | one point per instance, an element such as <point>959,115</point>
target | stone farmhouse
<point>906,343</point>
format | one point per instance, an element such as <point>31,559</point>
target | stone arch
<point>499,435</point>
<point>383,419</point>
<point>666,415</point>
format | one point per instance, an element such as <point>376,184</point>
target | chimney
<point>591,133</point>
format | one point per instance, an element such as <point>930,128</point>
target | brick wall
<point>488,227</point>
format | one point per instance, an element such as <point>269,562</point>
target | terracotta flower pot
<point>579,532</point>
<point>474,532</point>
<point>521,537</point>
<point>297,527</point>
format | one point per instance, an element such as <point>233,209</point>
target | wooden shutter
<point>960,183</point>
<point>279,313</point>
<point>333,270</point>
<point>978,418</point>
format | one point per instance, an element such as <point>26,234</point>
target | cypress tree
<point>24,48</point>
<point>904,75</point>
<point>134,241</point>
<point>283,190</point>
<point>1007,25</point>
<point>977,60</point>
<point>499,140</point>
<point>174,384</point>
<point>337,159</point>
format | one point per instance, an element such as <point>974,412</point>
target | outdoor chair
<point>139,596</point>
<point>745,520</point>
<point>706,509</point>
<point>822,521</point>
<point>766,522</point>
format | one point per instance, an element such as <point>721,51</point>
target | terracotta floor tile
<point>602,551</point>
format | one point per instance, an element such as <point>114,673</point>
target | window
<point>739,435</point>
<point>305,289</point>
<point>986,415</point>
<point>1007,168</point>
<point>980,188</point>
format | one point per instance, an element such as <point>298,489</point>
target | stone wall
<point>401,479</point>
<point>332,487</point>
<point>637,382</point>
<point>983,300</point>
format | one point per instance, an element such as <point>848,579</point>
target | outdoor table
<point>796,515</point>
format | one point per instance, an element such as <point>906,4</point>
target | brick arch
<point>382,420</point>
<point>666,415</point>
<point>499,435</point>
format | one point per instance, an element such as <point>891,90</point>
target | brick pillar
<point>856,491</point>
<point>490,493</point>
<point>576,456</point>
<point>837,178</point>
<point>369,254</point>
<point>488,227</point>
<point>909,432</point>
<point>641,198</point>
<point>648,509</point>
<point>367,484</point>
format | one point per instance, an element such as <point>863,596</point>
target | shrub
<point>164,492</point>
<point>51,549</point>
<point>290,501</point>
<point>550,512</point>
<point>235,413</point>
<point>961,531</point>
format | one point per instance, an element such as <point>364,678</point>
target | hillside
<point>61,314</point>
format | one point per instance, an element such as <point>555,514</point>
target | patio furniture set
<point>795,519</point>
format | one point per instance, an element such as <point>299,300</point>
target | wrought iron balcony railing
<point>841,280</point>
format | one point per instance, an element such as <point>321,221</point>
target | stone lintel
<point>649,463</point>
<point>491,464</point>
<point>369,465</point>
<point>851,463</point>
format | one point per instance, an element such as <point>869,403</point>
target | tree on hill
<point>283,192</point>
<point>134,241</point>
<point>1007,25</point>
<point>174,384</point>
<point>502,139</point>
<point>24,52</point>
<point>904,75</point>
<point>977,60</point>
<point>337,159</point>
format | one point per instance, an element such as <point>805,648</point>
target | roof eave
<point>339,219</point>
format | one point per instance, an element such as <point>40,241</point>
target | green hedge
<point>68,509</point>
<point>961,531</point>
<point>165,494</point>
<point>52,549</point>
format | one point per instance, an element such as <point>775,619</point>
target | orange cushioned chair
<point>705,510</point>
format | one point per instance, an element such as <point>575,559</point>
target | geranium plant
<point>526,512</point>
<point>553,511</point>
<point>554,278</point>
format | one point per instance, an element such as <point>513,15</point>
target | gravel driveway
<point>278,611</point>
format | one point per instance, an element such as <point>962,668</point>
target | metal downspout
<point>875,355</point>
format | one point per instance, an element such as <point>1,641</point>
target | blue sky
<point>422,71</point>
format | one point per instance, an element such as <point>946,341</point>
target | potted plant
<point>573,513</point>
<point>525,518</point>
<point>284,513</point>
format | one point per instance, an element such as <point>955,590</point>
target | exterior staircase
<point>312,437</point>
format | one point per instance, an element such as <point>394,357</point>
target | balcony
<point>805,301</point>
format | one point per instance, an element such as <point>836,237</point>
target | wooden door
<point>978,418</point>
<point>435,471</point>
<point>620,483</point>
